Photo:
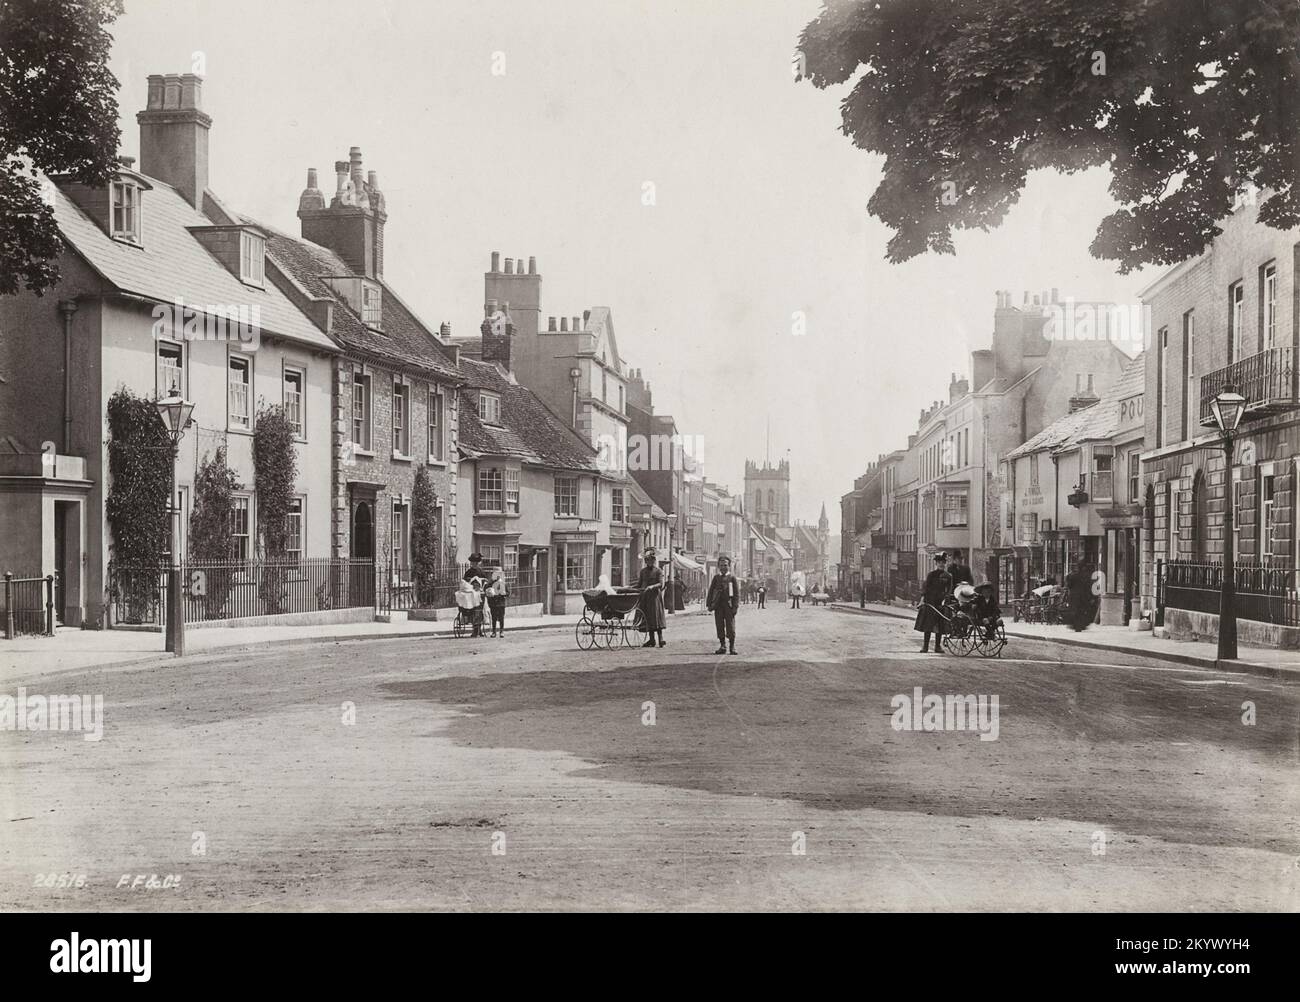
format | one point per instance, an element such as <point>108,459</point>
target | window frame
<point>127,234</point>
<point>252,259</point>
<point>248,537</point>
<point>300,429</point>
<point>495,488</point>
<point>401,422</point>
<point>182,356</point>
<point>945,509</point>
<point>561,490</point>
<point>436,422</point>
<point>618,505</point>
<point>366,383</point>
<point>485,398</point>
<point>235,360</point>
<point>372,304</point>
<point>1236,313</point>
<point>1268,306</point>
<point>511,486</point>
<point>399,531</point>
<point>292,553</point>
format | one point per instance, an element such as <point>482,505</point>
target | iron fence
<point>400,588</point>
<point>28,607</point>
<point>1264,594</point>
<point>238,589</point>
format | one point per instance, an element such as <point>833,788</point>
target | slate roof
<point>1100,421</point>
<point>170,262</point>
<point>404,340</point>
<point>529,430</point>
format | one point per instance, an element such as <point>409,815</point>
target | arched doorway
<point>363,531</point>
<point>362,575</point>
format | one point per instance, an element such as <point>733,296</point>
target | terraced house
<point>1226,317</point>
<point>542,507</point>
<point>393,405</point>
<point>156,297</point>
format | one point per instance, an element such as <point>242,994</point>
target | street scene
<point>750,457</point>
<point>368,774</point>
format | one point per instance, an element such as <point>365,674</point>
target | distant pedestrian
<point>938,587</point>
<point>496,599</point>
<point>1078,587</point>
<point>723,600</point>
<point>796,595</point>
<point>960,571</point>
<point>762,594</point>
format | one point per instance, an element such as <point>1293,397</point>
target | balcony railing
<point>1267,381</point>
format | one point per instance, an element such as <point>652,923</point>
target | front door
<point>362,577</point>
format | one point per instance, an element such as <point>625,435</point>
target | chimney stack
<point>496,262</point>
<point>352,225</point>
<point>174,134</point>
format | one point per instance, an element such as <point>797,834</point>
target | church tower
<point>767,493</point>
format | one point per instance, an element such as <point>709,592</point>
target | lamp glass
<point>175,413</point>
<point>1228,407</point>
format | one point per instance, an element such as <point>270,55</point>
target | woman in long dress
<point>651,582</point>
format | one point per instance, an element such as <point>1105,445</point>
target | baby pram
<point>469,612</point>
<point>975,622</point>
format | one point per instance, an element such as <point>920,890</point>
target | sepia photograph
<point>888,504</point>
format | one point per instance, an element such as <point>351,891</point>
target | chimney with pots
<point>521,289</point>
<point>174,134</point>
<point>496,347</point>
<point>352,225</point>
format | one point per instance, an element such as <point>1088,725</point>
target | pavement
<point>525,774</point>
<point>1270,662</point>
<point>71,648</point>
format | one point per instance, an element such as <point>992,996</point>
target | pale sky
<point>760,202</point>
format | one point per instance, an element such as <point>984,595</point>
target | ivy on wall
<point>137,508</point>
<point>211,537</point>
<point>275,471</point>
<point>425,549</point>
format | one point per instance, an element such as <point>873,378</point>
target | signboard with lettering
<point>1130,412</point>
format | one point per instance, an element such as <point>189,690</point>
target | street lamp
<point>1228,407</point>
<point>175,412</point>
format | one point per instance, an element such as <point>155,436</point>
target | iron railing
<point>1266,380</point>
<point>28,606</point>
<point>1264,594</point>
<point>400,588</point>
<point>238,589</point>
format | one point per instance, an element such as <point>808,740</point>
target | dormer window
<point>371,304</point>
<point>252,258</point>
<point>125,220</point>
<point>489,408</point>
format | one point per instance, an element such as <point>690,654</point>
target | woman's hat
<point>648,552</point>
<point>475,558</point>
<point>940,556</point>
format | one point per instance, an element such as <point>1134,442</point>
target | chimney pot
<point>155,91</point>
<point>1055,298</point>
<point>564,324</point>
<point>496,262</point>
<point>126,161</point>
<point>372,180</point>
<point>444,329</point>
<point>577,326</point>
<point>171,90</point>
<point>311,177</point>
<point>586,315</point>
<point>550,323</point>
<point>532,265</point>
<point>191,91</point>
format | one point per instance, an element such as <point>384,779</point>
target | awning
<point>686,563</point>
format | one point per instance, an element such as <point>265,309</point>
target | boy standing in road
<point>723,601</point>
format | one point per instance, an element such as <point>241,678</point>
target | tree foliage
<point>425,545</point>
<point>58,115</point>
<point>1188,102</point>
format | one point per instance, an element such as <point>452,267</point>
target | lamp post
<point>175,413</point>
<point>1228,407</point>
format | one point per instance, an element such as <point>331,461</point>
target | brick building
<point>1226,316</point>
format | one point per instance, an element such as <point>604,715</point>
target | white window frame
<point>372,305</point>
<point>618,505</point>
<point>490,490</point>
<point>957,492</point>
<point>510,480</point>
<point>399,530</point>
<point>181,358</point>
<point>401,421</point>
<point>124,199</point>
<point>437,423</point>
<point>1098,479</point>
<point>562,494</point>
<point>489,407</point>
<point>365,383</point>
<point>1270,304</point>
<point>300,426</point>
<point>1192,403</point>
<point>1162,384</point>
<point>1267,509</point>
<point>234,362</point>
<point>1237,305</point>
<point>297,512</point>
<point>244,498</point>
<point>252,259</point>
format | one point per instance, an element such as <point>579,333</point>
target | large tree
<point>58,114</point>
<point>1189,103</point>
